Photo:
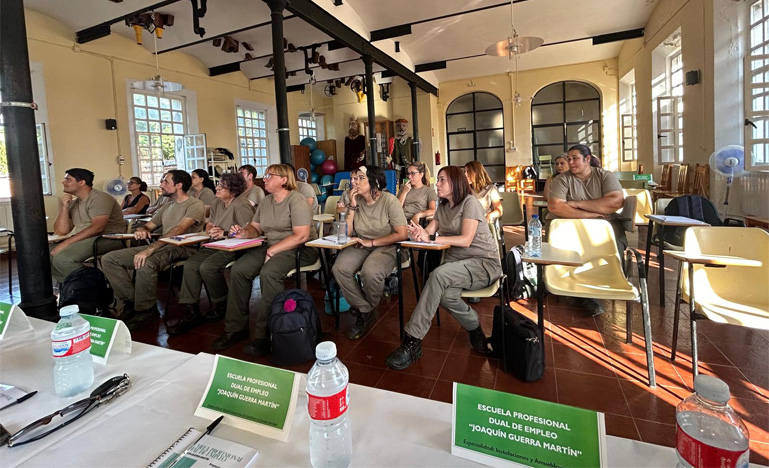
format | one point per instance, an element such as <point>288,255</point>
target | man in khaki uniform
<point>254,194</point>
<point>85,213</point>
<point>138,303</point>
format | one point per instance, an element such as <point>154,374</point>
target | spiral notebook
<point>209,451</point>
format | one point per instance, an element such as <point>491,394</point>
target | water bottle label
<point>698,454</point>
<point>64,348</point>
<point>329,407</point>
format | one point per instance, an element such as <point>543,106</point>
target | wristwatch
<point>432,237</point>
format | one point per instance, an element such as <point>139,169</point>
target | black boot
<point>409,351</point>
<point>363,324</point>
<point>478,341</point>
<point>190,320</point>
<point>257,347</point>
<point>228,339</point>
<point>141,318</point>
<point>215,315</point>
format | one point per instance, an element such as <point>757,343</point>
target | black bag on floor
<point>523,344</point>
<point>294,328</point>
<point>522,277</point>
<point>89,289</point>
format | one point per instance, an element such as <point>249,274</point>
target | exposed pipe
<point>279,60</point>
<point>368,63</point>
<point>415,118</point>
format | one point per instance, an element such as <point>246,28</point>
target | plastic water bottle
<point>708,431</point>
<point>535,237</point>
<point>71,346</point>
<point>340,227</point>
<point>328,401</point>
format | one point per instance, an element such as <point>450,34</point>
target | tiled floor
<point>589,365</point>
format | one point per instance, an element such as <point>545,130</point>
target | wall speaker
<point>692,77</point>
<point>110,124</point>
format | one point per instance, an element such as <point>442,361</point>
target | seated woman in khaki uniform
<point>471,263</point>
<point>202,188</point>
<point>207,265</point>
<point>416,197</point>
<point>377,222</point>
<point>344,199</point>
<point>484,190</point>
<point>284,218</point>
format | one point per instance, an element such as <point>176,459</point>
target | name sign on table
<point>108,336</point>
<point>256,398</point>
<point>13,320</point>
<point>502,429</point>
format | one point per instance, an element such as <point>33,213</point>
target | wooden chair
<point>701,183</point>
<point>682,184</point>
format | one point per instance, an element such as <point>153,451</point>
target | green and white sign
<point>12,320</point>
<point>253,397</point>
<point>502,429</point>
<point>107,336</point>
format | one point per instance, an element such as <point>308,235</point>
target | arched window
<point>564,114</point>
<point>475,132</point>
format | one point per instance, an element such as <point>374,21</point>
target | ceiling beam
<point>317,17</point>
<point>388,33</point>
<point>103,29</point>
<point>440,65</point>
<point>312,67</point>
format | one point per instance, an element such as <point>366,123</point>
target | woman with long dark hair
<point>202,188</point>
<point>136,202</point>
<point>471,263</point>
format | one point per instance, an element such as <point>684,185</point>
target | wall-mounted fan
<point>116,187</point>
<point>729,162</point>
<point>303,174</point>
<point>329,90</point>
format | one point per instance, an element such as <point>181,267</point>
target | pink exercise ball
<point>328,167</point>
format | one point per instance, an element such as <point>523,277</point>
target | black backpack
<point>521,276</point>
<point>89,289</point>
<point>294,328</point>
<point>690,206</point>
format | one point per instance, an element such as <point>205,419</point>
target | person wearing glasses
<point>207,265</point>
<point>136,202</point>
<point>284,218</point>
<point>561,166</point>
<point>376,219</point>
<point>485,191</point>
<point>416,197</point>
<point>471,263</point>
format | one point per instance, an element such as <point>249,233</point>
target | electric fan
<point>729,162</point>
<point>116,187</point>
<point>303,174</point>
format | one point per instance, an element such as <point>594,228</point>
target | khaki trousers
<point>375,264</point>
<point>118,267</point>
<point>73,256</point>
<point>205,267</point>
<point>272,274</point>
<point>444,287</point>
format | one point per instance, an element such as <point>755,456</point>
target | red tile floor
<point>589,365</point>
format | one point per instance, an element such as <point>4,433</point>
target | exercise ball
<point>317,156</point>
<point>313,167</point>
<point>328,167</point>
<point>326,180</point>
<point>309,142</point>
<point>314,177</point>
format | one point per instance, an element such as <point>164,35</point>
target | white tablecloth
<point>389,429</point>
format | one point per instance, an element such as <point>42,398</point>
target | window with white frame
<point>160,124</point>
<point>628,119</point>
<point>252,138</point>
<point>667,94</point>
<point>757,88</point>
<point>308,128</point>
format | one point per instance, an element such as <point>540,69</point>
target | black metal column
<point>415,118</point>
<point>368,62</point>
<point>27,207</point>
<point>279,60</point>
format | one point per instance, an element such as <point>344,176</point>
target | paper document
<point>234,243</point>
<point>679,219</point>
<point>210,452</point>
<point>9,394</point>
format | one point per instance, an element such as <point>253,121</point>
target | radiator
<point>750,194</point>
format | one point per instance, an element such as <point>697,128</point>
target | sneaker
<point>478,340</point>
<point>217,314</point>
<point>406,354</point>
<point>259,347</point>
<point>190,320</point>
<point>228,339</point>
<point>142,318</point>
<point>363,324</point>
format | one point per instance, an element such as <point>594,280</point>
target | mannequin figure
<point>403,148</point>
<point>354,147</point>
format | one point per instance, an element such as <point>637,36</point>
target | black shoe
<point>593,307</point>
<point>478,341</point>
<point>215,315</point>
<point>190,320</point>
<point>229,339</point>
<point>124,311</point>
<point>363,324</point>
<point>409,351</point>
<point>260,347</point>
<point>474,300</point>
<point>142,318</point>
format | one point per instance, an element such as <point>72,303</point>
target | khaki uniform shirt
<point>378,219</point>
<point>418,200</point>
<point>278,220</point>
<point>450,220</point>
<point>97,203</point>
<point>238,212</point>
<point>307,192</point>
<point>486,196</point>
<point>173,213</point>
<point>255,195</point>
<point>569,187</point>
<point>206,195</point>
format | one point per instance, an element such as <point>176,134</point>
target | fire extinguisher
<point>437,158</point>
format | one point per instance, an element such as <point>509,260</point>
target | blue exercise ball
<point>314,177</point>
<point>310,143</point>
<point>317,156</point>
<point>326,180</point>
<point>313,167</point>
